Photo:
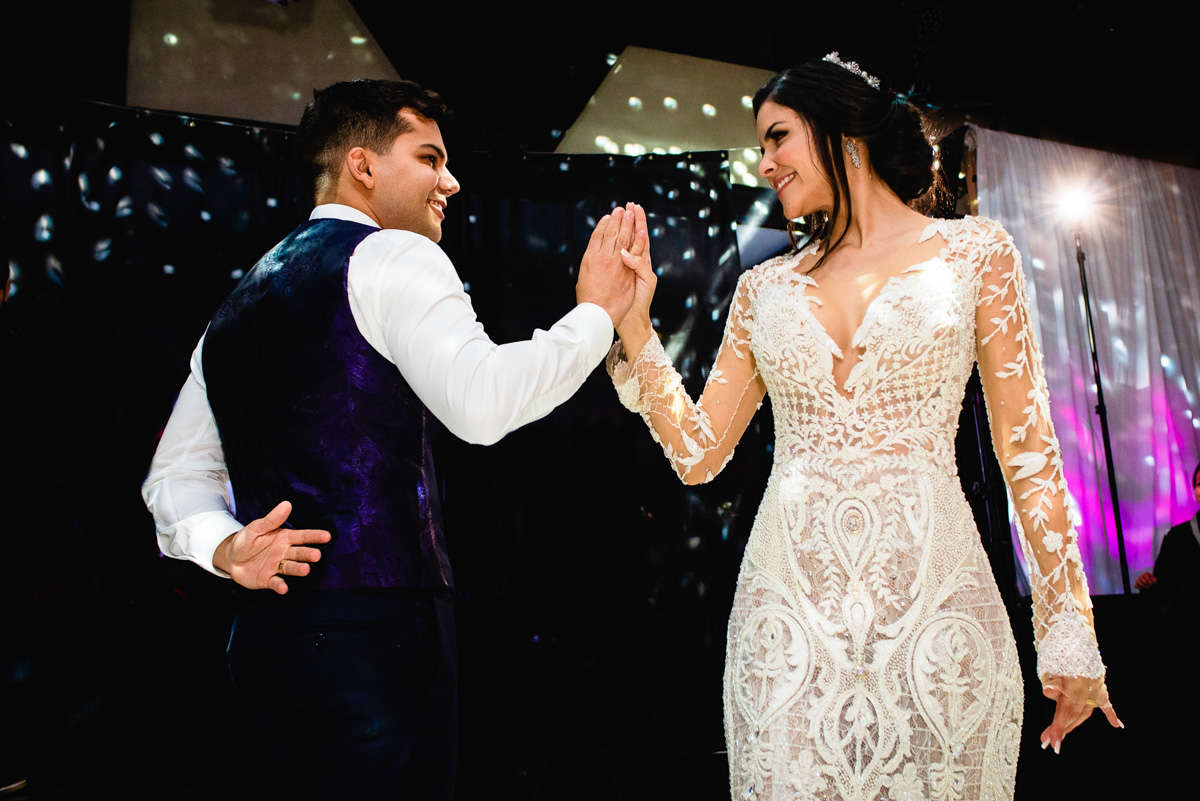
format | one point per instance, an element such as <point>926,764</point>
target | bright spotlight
<point>1075,204</point>
<point>1080,202</point>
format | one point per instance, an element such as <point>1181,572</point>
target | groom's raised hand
<point>262,553</point>
<point>603,278</point>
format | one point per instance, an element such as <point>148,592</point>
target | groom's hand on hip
<point>263,553</point>
<point>603,277</point>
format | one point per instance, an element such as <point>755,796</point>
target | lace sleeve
<point>1010,366</point>
<point>697,438</point>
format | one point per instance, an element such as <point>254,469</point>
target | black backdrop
<point>593,587</point>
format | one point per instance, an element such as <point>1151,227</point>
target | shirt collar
<point>340,211</point>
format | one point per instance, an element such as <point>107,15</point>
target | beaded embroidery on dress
<point>869,655</point>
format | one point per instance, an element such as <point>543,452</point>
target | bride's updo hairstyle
<point>833,101</point>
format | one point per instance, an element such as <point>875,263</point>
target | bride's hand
<point>635,329</point>
<point>1075,699</point>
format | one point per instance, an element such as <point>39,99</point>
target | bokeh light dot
<point>43,230</point>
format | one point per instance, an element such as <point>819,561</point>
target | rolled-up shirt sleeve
<point>187,488</point>
<point>412,308</point>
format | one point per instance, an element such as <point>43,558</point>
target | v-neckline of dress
<point>934,228</point>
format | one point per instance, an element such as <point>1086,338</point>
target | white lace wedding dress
<point>869,655</point>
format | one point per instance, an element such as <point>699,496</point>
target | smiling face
<point>411,180</point>
<point>790,161</point>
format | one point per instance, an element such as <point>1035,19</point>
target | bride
<point>868,654</point>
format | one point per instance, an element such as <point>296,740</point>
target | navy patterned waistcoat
<point>310,413</point>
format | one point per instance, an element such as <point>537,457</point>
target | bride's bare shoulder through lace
<point>869,652</point>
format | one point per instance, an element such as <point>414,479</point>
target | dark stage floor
<point>130,701</point>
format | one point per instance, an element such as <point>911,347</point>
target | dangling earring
<point>793,235</point>
<point>852,152</point>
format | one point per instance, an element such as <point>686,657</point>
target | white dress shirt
<point>410,305</point>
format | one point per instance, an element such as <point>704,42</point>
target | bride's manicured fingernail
<point>1057,746</point>
<point>1044,744</point>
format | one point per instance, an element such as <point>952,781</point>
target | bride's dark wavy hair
<point>832,102</point>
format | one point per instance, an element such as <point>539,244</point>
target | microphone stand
<point>1102,412</point>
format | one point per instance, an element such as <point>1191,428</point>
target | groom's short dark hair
<point>362,113</point>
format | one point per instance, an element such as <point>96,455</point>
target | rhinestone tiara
<point>852,66</point>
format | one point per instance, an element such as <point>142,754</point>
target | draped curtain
<point>1141,239</point>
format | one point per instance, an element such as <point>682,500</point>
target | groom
<point>312,393</point>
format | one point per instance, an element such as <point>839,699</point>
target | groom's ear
<point>358,164</point>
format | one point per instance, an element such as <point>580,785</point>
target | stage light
<point>747,101</point>
<point>1075,205</point>
<point>750,154</point>
<point>670,103</point>
<point>171,39</point>
<point>635,103</point>
<point>709,110</point>
<point>358,40</point>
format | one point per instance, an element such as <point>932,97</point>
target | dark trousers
<point>354,692</point>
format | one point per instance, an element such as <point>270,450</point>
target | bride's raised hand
<point>1075,699</point>
<point>635,329</point>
